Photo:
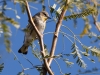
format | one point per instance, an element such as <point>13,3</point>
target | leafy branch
<point>1,67</point>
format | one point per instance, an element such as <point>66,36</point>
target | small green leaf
<point>23,7</point>
<point>13,22</point>
<point>85,54</point>
<point>7,43</point>
<point>21,73</point>
<point>1,67</point>
<point>69,64</point>
<point>14,58</point>
<point>67,74</point>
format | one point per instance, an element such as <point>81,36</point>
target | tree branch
<point>95,22</point>
<point>55,37</point>
<point>40,36</point>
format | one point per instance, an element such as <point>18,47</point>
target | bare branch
<point>40,36</point>
<point>95,22</point>
<point>55,37</point>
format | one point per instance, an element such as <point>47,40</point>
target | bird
<point>39,20</point>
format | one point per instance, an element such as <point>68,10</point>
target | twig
<point>17,60</point>
<point>95,22</point>
<point>59,67</point>
<point>63,41</point>
<point>33,7</point>
<point>28,60</point>
<point>40,36</point>
<point>66,36</point>
<point>48,33</point>
<point>74,36</point>
<point>55,37</point>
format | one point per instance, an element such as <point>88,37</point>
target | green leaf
<point>69,64</point>
<point>85,31</point>
<point>86,48</point>
<point>5,28</point>
<point>95,51</point>
<point>57,56</point>
<point>85,54</point>
<point>7,34</point>
<point>85,13</point>
<point>92,60</point>
<point>21,73</point>
<point>7,43</point>
<point>37,54</point>
<point>67,74</point>
<point>1,67</point>
<point>23,7</point>
<point>12,21</point>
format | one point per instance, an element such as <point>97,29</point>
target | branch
<point>95,22</point>
<point>40,36</point>
<point>55,37</point>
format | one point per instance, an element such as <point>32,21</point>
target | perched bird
<point>39,20</point>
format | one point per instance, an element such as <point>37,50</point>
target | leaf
<point>5,28</point>
<point>73,46</point>
<point>81,63</point>
<point>1,67</point>
<point>86,48</point>
<point>23,7</point>
<point>69,64</point>
<point>37,54</point>
<point>95,51</point>
<point>85,13</point>
<point>13,22</point>
<point>7,34</point>
<point>85,54</point>
<point>92,60</point>
<point>57,56</point>
<point>46,50</point>
<point>15,58</point>
<point>67,74</point>
<point>18,17</point>
<point>21,73</point>
<point>47,56</point>
<point>52,8</point>
<point>85,30</point>
<point>92,34</point>
<point>7,43</point>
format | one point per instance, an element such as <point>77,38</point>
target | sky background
<point>12,67</point>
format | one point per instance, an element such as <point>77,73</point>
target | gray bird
<point>39,20</point>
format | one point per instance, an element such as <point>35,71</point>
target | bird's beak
<point>49,17</point>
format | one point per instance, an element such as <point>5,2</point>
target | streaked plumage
<point>30,35</point>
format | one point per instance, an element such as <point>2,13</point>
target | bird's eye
<point>45,14</point>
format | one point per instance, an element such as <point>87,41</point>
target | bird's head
<point>44,16</point>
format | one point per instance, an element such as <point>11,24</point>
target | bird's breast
<point>41,26</point>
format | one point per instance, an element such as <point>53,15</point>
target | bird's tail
<point>23,49</point>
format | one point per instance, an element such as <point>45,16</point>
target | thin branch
<point>55,37</point>
<point>28,60</point>
<point>40,36</point>
<point>63,41</point>
<point>66,36</point>
<point>74,36</point>
<point>59,67</point>
<point>95,22</point>
<point>48,33</point>
<point>17,60</point>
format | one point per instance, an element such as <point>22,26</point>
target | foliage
<point>77,9</point>
<point>93,71</point>
<point>21,73</point>
<point>1,67</point>
<point>4,21</point>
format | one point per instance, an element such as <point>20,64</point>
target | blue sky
<point>12,67</point>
